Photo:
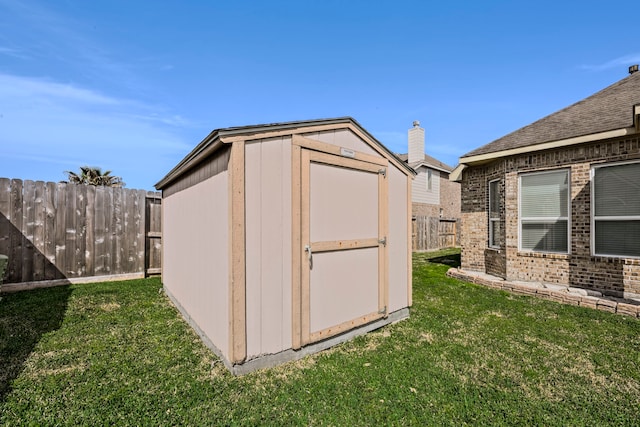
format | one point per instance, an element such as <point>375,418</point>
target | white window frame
<point>492,219</point>
<point>592,210</point>
<point>522,219</point>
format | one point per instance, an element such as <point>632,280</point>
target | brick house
<point>432,193</point>
<point>558,201</point>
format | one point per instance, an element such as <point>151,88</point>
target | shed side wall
<point>268,245</point>
<point>195,255</point>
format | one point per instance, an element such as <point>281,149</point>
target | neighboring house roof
<point>614,111</point>
<point>428,161</point>
<point>218,137</point>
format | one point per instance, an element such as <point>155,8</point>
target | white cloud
<point>14,87</point>
<point>15,53</point>
<point>630,59</point>
<point>47,127</point>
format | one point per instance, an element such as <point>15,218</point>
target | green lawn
<point>119,354</point>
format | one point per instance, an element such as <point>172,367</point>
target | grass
<point>119,354</point>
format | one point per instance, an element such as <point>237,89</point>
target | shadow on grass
<point>450,260</point>
<point>24,318</point>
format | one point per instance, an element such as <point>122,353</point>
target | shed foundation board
<point>271,360</point>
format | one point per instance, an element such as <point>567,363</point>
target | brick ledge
<point>558,293</point>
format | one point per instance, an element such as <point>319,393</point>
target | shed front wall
<point>195,255</point>
<point>612,275</point>
<point>268,245</point>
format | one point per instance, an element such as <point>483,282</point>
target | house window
<point>544,212</point>
<point>494,214</point>
<point>615,198</point>
<point>429,179</point>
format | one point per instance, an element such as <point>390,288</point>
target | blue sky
<point>133,86</point>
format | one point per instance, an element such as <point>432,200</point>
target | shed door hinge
<point>383,241</point>
<point>382,172</point>
<point>383,310</point>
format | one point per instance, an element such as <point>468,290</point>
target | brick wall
<point>449,197</point>
<point>614,276</point>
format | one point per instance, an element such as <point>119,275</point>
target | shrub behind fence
<point>61,231</point>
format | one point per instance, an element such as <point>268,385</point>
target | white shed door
<point>344,206</point>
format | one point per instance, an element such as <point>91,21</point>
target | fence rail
<point>430,233</point>
<point>60,231</point>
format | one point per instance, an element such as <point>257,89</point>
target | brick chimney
<point>416,143</point>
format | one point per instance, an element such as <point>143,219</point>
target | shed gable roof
<point>228,135</point>
<point>609,109</point>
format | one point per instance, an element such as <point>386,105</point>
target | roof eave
<point>207,146</point>
<point>480,159</point>
<point>430,166</point>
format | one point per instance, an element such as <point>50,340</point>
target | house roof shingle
<point>609,109</point>
<point>428,161</point>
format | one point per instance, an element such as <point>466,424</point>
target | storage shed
<point>281,240</point>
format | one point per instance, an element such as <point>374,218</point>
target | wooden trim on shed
<point>313,144</point>
<point>237,259</point>
<point>345,326</point>
<point>345,162</point>
<point>336,245</point>
<point>305,273</point>
<point>284,132</point>
<point>296,247</point>
<point>383,232</point>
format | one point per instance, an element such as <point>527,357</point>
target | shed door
<point>344,206</point>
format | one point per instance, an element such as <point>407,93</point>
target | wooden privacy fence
<point>430,233</point>
<point>62,231</point>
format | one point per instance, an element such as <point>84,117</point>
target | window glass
<point>494,214</point>
<point>544,212</point>
<point>616,210</point>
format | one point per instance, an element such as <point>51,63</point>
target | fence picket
<point>5,214</point>
<point>16,239</point>
<point>431,233</point>
<point>39,211</point>
<point>61,208</point>
<point>50,231</point>
<point>28,220</point>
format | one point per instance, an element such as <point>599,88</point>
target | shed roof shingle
<point>609,109</point>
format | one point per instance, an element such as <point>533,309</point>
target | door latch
<point>307,249</point>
